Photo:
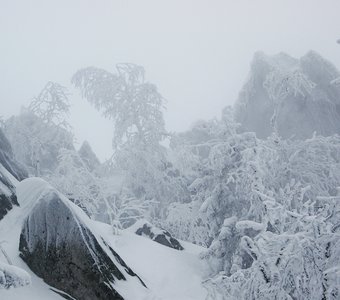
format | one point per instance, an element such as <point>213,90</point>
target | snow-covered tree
<point>52,105</point>
<point>99,197</point>
<point>281,85</point>
<point>300,263</point>
<point>135,107</point>
<point>269,233</point>
<point>133,104</point>
<point>34,140</point>
<point>41,130</point>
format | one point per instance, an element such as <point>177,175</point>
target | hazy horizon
<point>196,52</point>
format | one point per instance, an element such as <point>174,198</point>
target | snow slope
<point>168,273</point>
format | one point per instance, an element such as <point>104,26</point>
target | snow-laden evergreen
<point>270,212</point>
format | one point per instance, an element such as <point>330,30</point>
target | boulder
<point>10,171</point>
<point>58,245</point>
<point>161,236</point>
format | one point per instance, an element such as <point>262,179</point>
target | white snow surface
<point>13,276</point>
<point>168,273</point>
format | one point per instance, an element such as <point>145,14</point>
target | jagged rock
<point>297,96</point>
<point>8,165</point>
<point>88,156</point>
<point>8,161</point>
<point>58,245</point>
<point>161,236</point>
<point>7,195</point>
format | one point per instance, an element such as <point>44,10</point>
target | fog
<point>196,52</point>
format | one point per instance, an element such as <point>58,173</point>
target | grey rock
<point>309,101</point>
<point>58,247</point>
<point>8,161</point>
<point>158,235</point>
<point>88,156</point>
<point>8,196</point>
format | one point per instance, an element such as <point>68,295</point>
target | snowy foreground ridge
<point>167,273</point>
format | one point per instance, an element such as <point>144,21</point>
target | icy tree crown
<point>52,104</point>
<point>134,105</point>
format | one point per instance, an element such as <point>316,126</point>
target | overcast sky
<point>197,52</point>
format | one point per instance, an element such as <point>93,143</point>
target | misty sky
<point>197,52</point>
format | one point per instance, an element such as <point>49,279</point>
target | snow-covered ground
<point>168,273</point>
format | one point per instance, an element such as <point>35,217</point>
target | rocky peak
<point>295,96</point>
<point>88,156</point>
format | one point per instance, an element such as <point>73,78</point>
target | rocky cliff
<point>294,97</point>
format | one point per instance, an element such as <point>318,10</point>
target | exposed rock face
<point>7,190</point>
<point>7,195</point>
<point>295,96</point>
<point>88,156</point>
<point>59,247</point>
<point>158,235</point>
<point>8,161</point>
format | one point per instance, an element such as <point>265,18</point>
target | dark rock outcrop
<point>8,197</point>
<point>7,190</point>
<point>296,96</point>
<point>158,235</point>
<point>59,247</point>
